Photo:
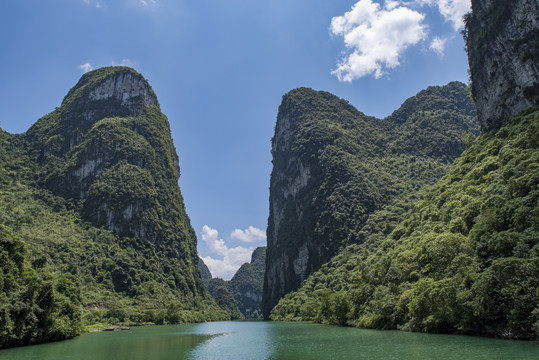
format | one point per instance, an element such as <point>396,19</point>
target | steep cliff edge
<point>503,52</point>
<point>109,146</point>
<point>335,168</point>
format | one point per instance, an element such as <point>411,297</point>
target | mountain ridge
<point>335,166</point>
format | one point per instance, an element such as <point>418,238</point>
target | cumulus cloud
<point>438,45</point>
<point>231,258</point>
<point>249,235</point>
<point>376,37</point>
<point>452,10</point>
<point>86,67</point>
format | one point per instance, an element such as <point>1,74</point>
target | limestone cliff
<point>334,168</point>
<point>108,149</point>
<point>503,52</point>
<point>91,190</point>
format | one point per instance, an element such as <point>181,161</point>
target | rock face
<point>109,148</point>
<point>129,89</point>
<point>333,167</point>
<point>503,52</point>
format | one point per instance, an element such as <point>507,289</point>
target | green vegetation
<point>362,173</point>
<point>35,306</point>
<point>464,260</point>
<point>91,192</point>
<point>242,295</point>
<point>219,291</point>
<point>246,284</point>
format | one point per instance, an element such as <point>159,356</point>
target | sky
<point>219,69</point>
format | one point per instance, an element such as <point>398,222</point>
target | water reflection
<point>153,342</point>
<point>237,340</point>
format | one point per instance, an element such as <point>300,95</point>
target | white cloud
<point>124,62</point>
<point>438,45</point>
<point>452,10</point>
<point>86,67</point>
<point>232,258</point>
<point>376,37</point>
<point>249,235</point>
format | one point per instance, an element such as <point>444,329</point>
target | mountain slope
<point>246,284</point>
<point>91,188</point>
<point>340,176</point>
<point>466,259</point>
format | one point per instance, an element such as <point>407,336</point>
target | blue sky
<point>219,69</point>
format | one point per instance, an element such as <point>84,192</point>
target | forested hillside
<point>90,190</point>
<point>466,259</point>
<point>246,284</point>
<point>340,177</point>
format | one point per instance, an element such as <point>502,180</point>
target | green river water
<point>271,340</point>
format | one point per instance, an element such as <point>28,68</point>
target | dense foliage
<point>91,191</point>
<point>35,306</point>
<point>246,284</point>
<point>360,174</point>
<point>219,290</point>
<point>465,259</point>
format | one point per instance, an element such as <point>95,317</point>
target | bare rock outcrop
<point>503,52</point>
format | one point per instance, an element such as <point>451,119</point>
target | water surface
<point>271,340</point>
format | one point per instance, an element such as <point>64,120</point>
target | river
<point>271,340</point>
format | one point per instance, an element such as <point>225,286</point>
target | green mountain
<point>91,191</point>
<point>340,177</point>
<point>241,296</point>
<point>219,290</point>
<point>246,284</point>
<point>464,259</point>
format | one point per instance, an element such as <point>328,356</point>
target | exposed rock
<point>127,88</point>
<point>503,52</point>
